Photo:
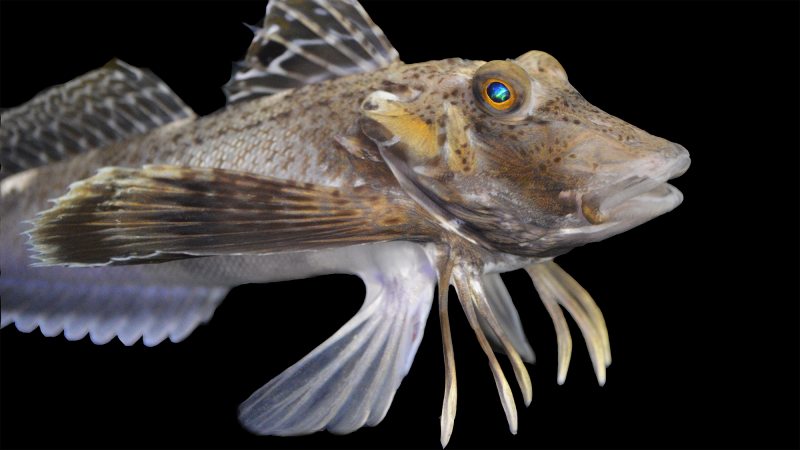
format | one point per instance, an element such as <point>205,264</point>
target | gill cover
<point>438,162</point>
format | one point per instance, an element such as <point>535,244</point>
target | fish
<point>378,99</point>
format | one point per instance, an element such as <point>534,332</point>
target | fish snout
<point>638,188</point>
<point>682,161</point>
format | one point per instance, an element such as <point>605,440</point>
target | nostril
<point>681,150</point>
<point>682,159</point>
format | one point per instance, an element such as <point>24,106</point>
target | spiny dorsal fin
<point>103,106</point>
<point>305,42</point>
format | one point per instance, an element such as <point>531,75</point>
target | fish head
<point>510,154</point>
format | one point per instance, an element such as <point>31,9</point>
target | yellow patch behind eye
<point>412,130</point>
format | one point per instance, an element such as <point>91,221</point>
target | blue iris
<point>498,92</point>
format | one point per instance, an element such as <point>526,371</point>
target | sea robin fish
<point>407,175</point>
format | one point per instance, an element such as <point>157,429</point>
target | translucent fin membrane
<point>106,105</point>
<point>350,380</point>
<point>306,42</point>
<point>506,313</point>
<point>106,309</point>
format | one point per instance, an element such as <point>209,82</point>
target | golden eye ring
<point>498,94</point>
<point>501,88</point>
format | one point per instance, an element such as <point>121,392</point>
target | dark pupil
<point>498,92</point>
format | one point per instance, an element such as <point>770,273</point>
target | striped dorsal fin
<point>305,42</point>
<point>106,105</point>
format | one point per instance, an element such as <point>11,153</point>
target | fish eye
<point>498,94</point>
<point>501,88</point>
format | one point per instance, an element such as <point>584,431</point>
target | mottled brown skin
<point>509,177</point>
<point>411,152</point>
<point>505,181</point>
<point>287,136</point>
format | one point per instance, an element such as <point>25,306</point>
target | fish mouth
<point>638,198</point>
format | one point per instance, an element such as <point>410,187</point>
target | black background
<point>701,304</point>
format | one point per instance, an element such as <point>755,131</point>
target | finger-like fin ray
<point>553,283</point>
<point>462,277</point>
<point>445,272</point>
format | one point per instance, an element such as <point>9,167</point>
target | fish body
<point>308,144</point>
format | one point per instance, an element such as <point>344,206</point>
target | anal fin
<point>105,309</point>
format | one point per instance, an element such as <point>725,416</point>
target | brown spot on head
<point>557,159</point>
<point>576,122</point>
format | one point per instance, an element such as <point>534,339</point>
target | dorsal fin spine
<point>359,36</point>
<point>331,39</point>
<point>305,42</point>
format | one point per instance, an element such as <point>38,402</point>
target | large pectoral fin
<point>349,381</point>
<point>162,213</point>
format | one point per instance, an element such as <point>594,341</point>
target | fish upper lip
<point>638,195</point>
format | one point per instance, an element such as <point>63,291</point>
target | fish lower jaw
<point>634,210</point>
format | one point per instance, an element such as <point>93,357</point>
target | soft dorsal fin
<point>106,105</point>
<point>304,42</point>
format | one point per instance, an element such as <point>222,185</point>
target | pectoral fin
<point>349,381</point>
<point>162,213</point>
